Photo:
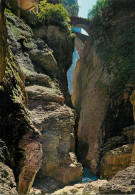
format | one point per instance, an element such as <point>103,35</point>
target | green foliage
<point>99,8</point>
<point>53,14</point>
<point>71,6</point>
<point>11,7</point>
<point>119,61</point>
<point>116,44</point>
<point>100,18</point>
<point>8,11</point>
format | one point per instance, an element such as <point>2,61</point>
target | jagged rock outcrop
<point>59,40</point>
<point>102,100</point>
<point>118,153</point>
<point>122,183</point>
<point>116,160</point>
<point>7,180</point>
<point>22,139</point>
<point>46,103</point>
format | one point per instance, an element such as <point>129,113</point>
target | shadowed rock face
<point>21,137</point>
<point>3,41</point>
<point>47,110</point>
<point>100,115</point>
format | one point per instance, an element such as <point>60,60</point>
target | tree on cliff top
<point>53,14</point>
<point>99,8</point>
<point>71,6</point>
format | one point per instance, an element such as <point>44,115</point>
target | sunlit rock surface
<point>47,109</point>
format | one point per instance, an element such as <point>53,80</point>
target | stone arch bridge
<point>80,38</point>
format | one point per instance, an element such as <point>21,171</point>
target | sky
<point>85,5</point>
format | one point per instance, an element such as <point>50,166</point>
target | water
<point>71,71</point>
<point>80,30</point>
<point>87,176</point>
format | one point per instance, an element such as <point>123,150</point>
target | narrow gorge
<point>59,138</point>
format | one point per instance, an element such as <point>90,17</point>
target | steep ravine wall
<point>104,109</point>
<point>59,40</point>
<point>37,126</point>
<point>20,140</point>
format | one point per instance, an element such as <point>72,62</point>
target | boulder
<point>122,183</point>
<point>84,189</point>
<point>116,160</point>
<point>7,180</point>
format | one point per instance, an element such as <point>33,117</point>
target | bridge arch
<point>80,22</point>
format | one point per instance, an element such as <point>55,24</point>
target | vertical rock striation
<point>102,90</point>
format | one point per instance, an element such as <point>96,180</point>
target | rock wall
<point>46,103</point>
<point>122,183</point>
<point>61,41</point>
<point>3,40</point>
<point>102,110</point>
<point>17,131</point>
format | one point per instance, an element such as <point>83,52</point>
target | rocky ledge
<point>122,183</point>
<point>47,108</point>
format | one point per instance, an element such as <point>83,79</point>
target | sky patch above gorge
<point>85,6</point>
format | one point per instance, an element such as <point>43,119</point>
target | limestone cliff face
<point>62,43</point>
<point>17,131</point>
<point>46,103</point>
<point>104,108</point>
